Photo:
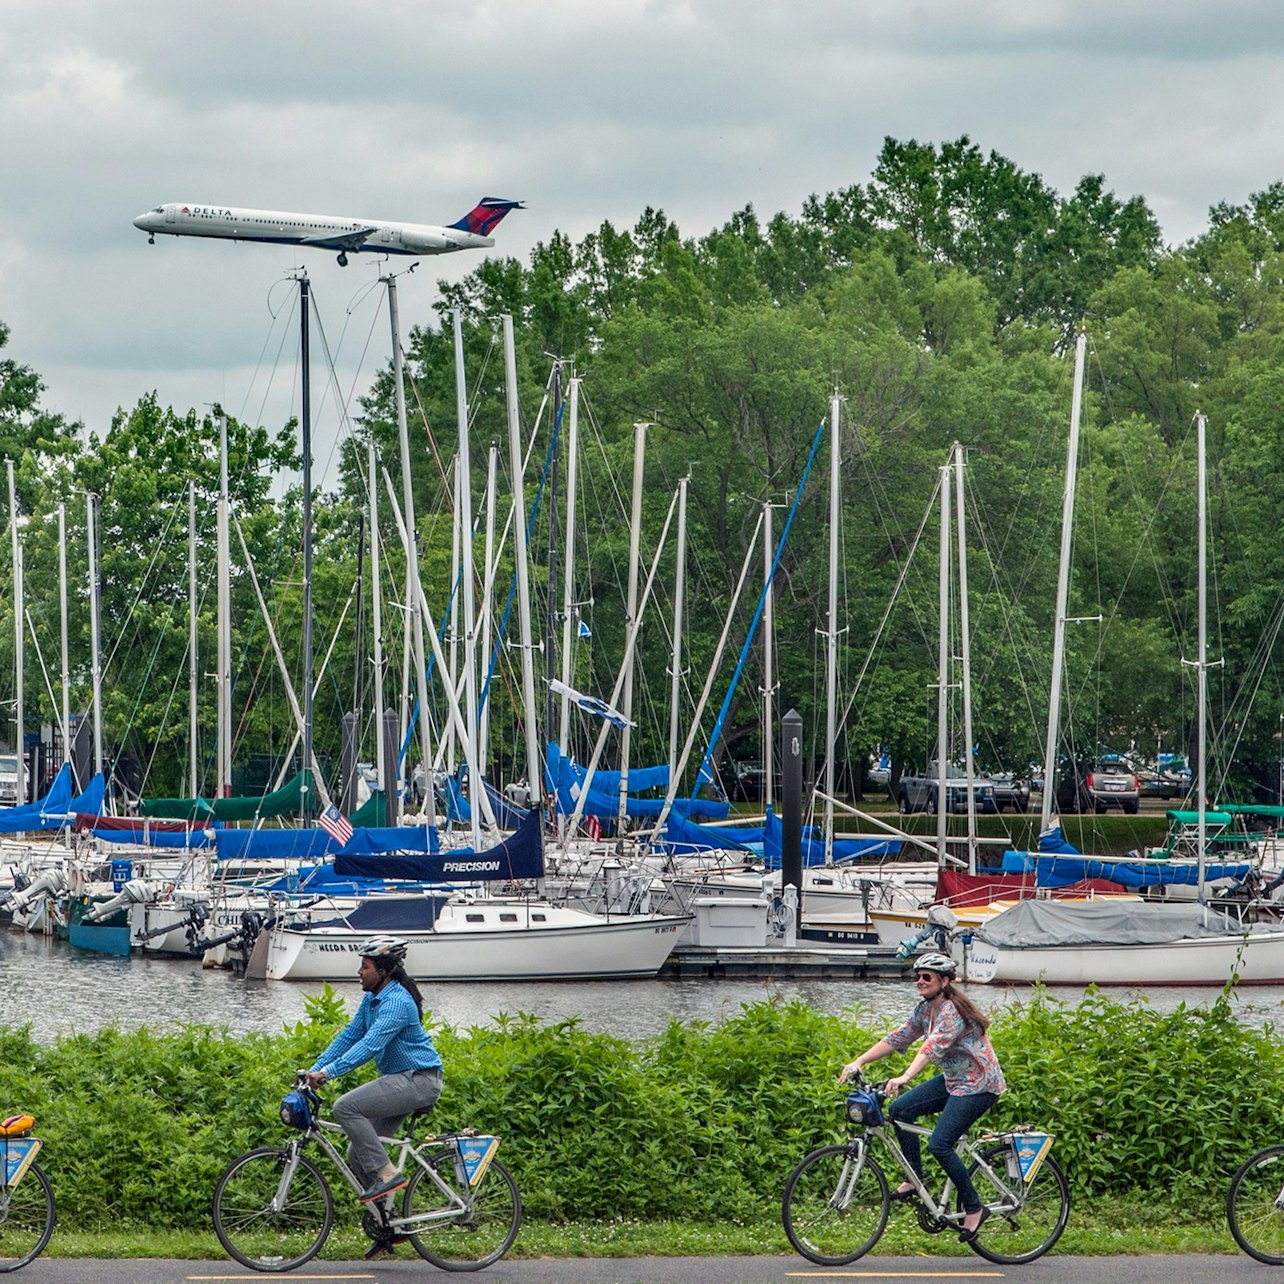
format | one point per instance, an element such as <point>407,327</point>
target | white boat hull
<point>1258,960</point>
<point>561,948</point>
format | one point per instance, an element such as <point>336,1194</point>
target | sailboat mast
<point>635,537</point>
<point>305,428</point>
<point>679,594</point>
<point>550,614</point>
<point>476,786</point>
<point>533,773</point>
<point>193,659</point>
<point>568,574</point>
<point>486,626</point>
<point>62,609</point>
<point>19,616</point>
<point>831,639</point>
<point>376,613</point>
<point>1201,426</point>
<point>1063,589</point>
<point>943,667</point>
<point>223,774</point>
<point>768,659</point>
<point>965,641</point>
<point>95,663</point>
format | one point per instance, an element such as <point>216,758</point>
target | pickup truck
<point>918,793</point>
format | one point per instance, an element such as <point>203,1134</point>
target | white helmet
<point>933,961</point>
<point>381,947</point>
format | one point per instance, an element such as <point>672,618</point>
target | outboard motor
<point>134,892</point>
<point>51,883</point>
<point>935,933</point>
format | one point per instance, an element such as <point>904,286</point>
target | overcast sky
<point>586,109</point>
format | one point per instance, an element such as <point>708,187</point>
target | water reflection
<point>58,991</point>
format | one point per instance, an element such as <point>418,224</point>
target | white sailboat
<point>1129,943</point>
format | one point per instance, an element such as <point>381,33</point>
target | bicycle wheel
<point>27,1216</point>
<point>1253,1206</point>
<point>471,1240</point>
<point>835,1204</point>
<point>263,1238</point>
<point>1012,1235</point>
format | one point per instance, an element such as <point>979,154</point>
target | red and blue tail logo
<point>486,215</point>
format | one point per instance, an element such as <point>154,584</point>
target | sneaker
<point>384,1246</point>
<point>398,1181</point>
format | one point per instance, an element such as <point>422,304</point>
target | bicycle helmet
<point>384,947</point>
<point>942,964</point>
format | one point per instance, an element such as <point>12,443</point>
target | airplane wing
<point>352,240</point>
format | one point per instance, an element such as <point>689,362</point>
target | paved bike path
<point>1053,1269</point>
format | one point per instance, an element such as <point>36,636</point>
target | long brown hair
<point>971,1014</point>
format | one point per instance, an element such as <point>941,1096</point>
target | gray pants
<point>377,1109</point>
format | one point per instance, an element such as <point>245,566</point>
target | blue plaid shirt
<point>387,1027</point>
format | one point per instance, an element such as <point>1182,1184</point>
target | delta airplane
<point>327,232</point>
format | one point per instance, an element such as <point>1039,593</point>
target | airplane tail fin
<point>485,216</point>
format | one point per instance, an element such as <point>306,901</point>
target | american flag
<point>336,824</point>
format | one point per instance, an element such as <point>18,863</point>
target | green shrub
<point>700,1122</point>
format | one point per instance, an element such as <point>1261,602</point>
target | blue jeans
<point>958,1114</point>
<point>377,1109</point>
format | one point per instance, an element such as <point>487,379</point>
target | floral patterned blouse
<point>963,1052</point>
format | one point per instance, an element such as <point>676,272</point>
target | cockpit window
<point>160,209</point>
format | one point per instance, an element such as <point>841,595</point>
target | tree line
<point>940,300</point>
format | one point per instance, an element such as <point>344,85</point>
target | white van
<point>10,780</point>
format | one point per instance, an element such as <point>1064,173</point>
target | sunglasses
<point>927,976</point>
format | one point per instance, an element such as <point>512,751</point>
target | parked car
<point>1096,782</point>
<point>879,772</point>
<point>1010,790</point>
<point>919,793</point>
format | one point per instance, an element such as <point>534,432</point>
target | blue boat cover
<point>604,797</point>
<point>53,810</point>
<point>518,857</point>
<point>313,844</point>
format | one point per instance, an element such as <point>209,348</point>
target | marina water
<point>60,991</point>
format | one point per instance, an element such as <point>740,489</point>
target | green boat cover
<point>1192,817</point>
<point>280,802</point>
<point>1257,809</point>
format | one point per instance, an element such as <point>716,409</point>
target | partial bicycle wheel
<point>27,1216</point>
<point>465,1241</point>
<point>1255,1206</point>
<point>1014,1234</point>
<point>835,1204</point>
<point>260,1236</point>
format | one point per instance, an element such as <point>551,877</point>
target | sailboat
<point>1133,943</point>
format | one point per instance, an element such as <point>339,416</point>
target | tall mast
<point>1201,668</point>
<point>453,616</point>
<point>62,608</point>
<point>568,575</point>
<point>485,629</point>
<point>414,620</point>
<point>965,642</point>
<point>768,660</point>
<point>550,615</point>
<point>631,612</point>
<point>95,663</point>
<point>193,659</point>
<point>1063,589</point>
<point>223,750</point>
<point>679,595</point>
<point>534,776</point>
<point>19,618</point>
<point>943,667</point>
<point>376,612</point>
<point>476,786</point>
<point>308,809</point>
<point>831,640</point>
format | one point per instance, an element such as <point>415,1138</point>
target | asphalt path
<point>671,1270</point>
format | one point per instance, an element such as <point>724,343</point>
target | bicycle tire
<point>820,1231</point>
<point>250,1231</point>
<point>1256,1220</point>
<point>1025,1233</point>
<point>27,1217</point>
<point>468,1241</point>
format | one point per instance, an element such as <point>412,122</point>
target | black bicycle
<point>27,1211</point>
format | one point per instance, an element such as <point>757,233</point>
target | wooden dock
<point>807,959</point>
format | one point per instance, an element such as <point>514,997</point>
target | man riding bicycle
<point>388,1029</point>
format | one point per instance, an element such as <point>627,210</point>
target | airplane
<point>328,232</point>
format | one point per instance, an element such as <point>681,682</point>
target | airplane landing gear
<point>151,240</point>
<point>343,259</point>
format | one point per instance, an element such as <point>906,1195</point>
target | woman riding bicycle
<point>954,1034</point>
<point>387,1028</point>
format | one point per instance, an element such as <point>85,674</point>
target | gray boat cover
<point>1102,922</point>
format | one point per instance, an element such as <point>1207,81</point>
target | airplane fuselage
<point>320,231</point>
